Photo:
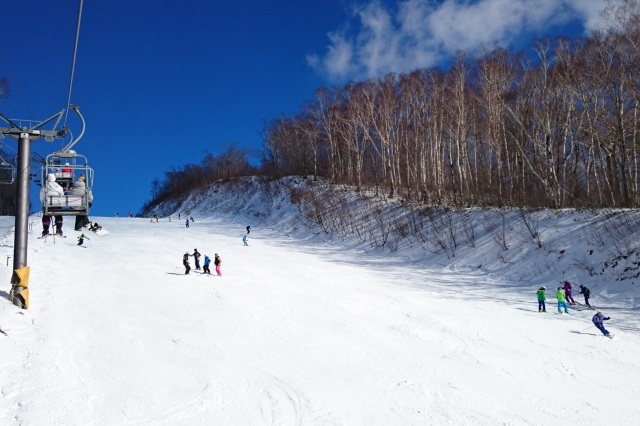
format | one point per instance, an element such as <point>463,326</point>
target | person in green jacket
<point>541,299</point>
<point>561,300</point>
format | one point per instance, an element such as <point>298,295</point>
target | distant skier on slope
<point>541,299</point>
<point>561,300</point>
<point>205,267</point>
<point>81,239</point>
<point>185,262</point>
<point>196,255</point>
<point>218,262</point>
<point>244,240</point>
<point>598,320</point>
<point>567,291</point>
<point>586,293</point>
<point>187,223</point>
<point>248,229</point>
<point>192,219</point>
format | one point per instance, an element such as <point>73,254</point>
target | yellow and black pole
<point>20,279</point>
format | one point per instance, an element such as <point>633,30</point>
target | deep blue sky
<point>161,81</point>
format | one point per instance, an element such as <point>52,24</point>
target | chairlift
<point>67,166</point>
<point>7,173</point>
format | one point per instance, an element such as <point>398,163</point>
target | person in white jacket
<point>52,188</point>
<point>80,188</point>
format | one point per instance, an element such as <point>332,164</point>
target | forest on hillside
<point>556,126</point>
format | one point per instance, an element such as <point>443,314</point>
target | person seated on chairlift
<point>53,189</point>
<point>80,188</point>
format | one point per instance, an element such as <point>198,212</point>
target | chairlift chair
<point>66,175</point>
<point>7,173</point>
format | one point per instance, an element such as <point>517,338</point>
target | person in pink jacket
<point>567,291</point>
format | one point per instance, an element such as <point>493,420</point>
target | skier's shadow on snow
<point>582,332</point>
<point>5,295</point>
<point>176,273</point>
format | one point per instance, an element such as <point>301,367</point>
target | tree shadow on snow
<point>5,295</point>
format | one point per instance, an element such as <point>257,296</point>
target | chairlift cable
<point>13,75</point>
<point>73,63</point>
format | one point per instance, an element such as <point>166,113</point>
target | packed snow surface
<point>295,332</point>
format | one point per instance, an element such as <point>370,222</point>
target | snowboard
<point>101,232</point>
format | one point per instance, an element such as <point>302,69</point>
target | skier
<point>191,219</point>
<point>80,188</point>
<point>187,223</point>
<point>541,299</point>
<point>586,293</point>
<point>178,216</point>
<point>598,320</point>
<point>244,240</point>
<point>561,300</point>
<point>81,239</point>
<point>53,188</point>
<point>196,256</point>
<point>169,218</point>
<point>156,218</point>
<point>248,229</point>
<point>567,291</point>
<point>217,261</point>
<point>185,262</point>
<point>205,267</point>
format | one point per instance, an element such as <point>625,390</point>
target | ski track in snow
<point>294,333</point>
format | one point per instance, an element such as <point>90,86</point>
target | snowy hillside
<point>599,249</point>
<point>295,332</point>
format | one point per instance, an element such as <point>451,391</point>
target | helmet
<point>544,288</point>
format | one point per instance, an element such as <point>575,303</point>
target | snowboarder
<point>81,239</point>
<point>187,223</point>
<point>567,291</point>
<point>205,267</point>
<point>196,256</point>
<point>561,300</point>
<point>586,293</point>
<point>217,261</point>
<point>80,188</point>
<point>192,219</point>
<point>185,262</point>
<point>244,240</point>
<point>598,320</point>
<point>541,299</point>
<point>248,229</point>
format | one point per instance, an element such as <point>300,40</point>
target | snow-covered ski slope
<point>295,332</point>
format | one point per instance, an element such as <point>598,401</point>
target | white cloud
<point>422,33</point>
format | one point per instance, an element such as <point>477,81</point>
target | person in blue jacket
<point>598,320</point>
<point>244,240</point>
<point>205,267</point>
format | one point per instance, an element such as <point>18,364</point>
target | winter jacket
<point>217,261</point>
<point>541,295</point>
<point>80,188</point>
<point>585,291</point>
<point>567,287</point>
<point>53,188</point>
<point>196,255</point>
<point>244,238</point>
<point>560,295</point>
<point>207,261</point>
<point>185,258</point>
<point>598,319</point>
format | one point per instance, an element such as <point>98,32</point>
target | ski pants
<point>218,270</point>
<point>561,304</point>
<point>187,268</point>
<point>206,269</point>
<point>570,298</point>
<point>197,264</point>
<point>601,328</point>
<point>46,222</point>
<point>586,301</point>
<point>80,242</point>
<point>59,225</point>
<point>541,306</point>
<point>81,220</point>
